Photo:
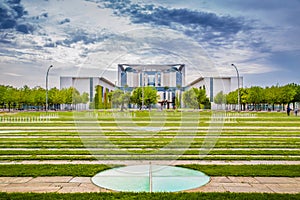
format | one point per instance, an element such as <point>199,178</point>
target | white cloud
<point>93,39</point>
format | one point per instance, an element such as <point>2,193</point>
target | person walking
<point>288,110</point>
<point>296,111</point>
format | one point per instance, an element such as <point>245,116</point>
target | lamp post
<point>238,77</point>
<point>47,86</point>
<point>143,84</point>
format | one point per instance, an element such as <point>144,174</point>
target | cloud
<point>191,22</point>
<point>95,34</point>
<point>12,74</point>
<point>66,20</point>
<point>11,14</point>
<point>224,37</point>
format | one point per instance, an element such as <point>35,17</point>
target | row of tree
<point>147,96</point>
<point>35,98</point>
<point>250,98</point>
<point>258,98</point>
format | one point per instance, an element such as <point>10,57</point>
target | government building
<point>168,79</point>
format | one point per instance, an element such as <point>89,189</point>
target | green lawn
<point>92,169</point>
<point>234,136</point>
<point>245,136</point>
<point>158,196</point>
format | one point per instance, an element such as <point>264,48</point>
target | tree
<point>147,95</point>
<point>85,97</point>
<point>272,95</point>
<point>55,97</point>
<point>202,99</point>
<point>39,96</point>
<point>25,98</point>
<point>76,97</point>
<point>10,97</point>
<point>220,98</point>
<point>255,96</point>
<point>70,96</point>
<point>296,97</point>
<point>98,97</point>
<point>120,98</point>
<point>190,99</point>
<point>177,100</point>
<point>2,95</point>
<point>287,94</point>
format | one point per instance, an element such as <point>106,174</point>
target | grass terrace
<point>122,136</point>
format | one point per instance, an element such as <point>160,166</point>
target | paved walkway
<point>68,184</point>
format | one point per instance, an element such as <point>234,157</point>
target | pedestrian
<point>288,110</point>
<point>296,111</point>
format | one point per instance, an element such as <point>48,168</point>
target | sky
<point>90,37</point>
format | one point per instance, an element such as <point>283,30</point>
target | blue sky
<point>90,37</point>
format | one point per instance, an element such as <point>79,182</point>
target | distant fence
<point>28,119</point>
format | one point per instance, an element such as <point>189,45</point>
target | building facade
<point>214,85</point>
<point>169,81</point>
<point>88,85</point>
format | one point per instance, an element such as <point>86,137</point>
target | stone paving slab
<point>68,184</point>
<point>285,180</point>
<point>52,179</point>
<point>15,179</point>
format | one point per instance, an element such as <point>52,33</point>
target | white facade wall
<point>84,84</point>
<point>166,79</point>
<point>172,76</point>
<point>65,82</point>
<point>214,85</point>
<point>81,84</point>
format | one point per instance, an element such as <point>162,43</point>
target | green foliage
<point>147,95</point>
<point>220,98</point>
<point>232,97</point>
<point>190,99</point>
<point>27,98</point>
<point>256,95</point>
<point>196,98</point>
<point>120,98</point>
<point>178,100</point>
<point>85,97</point>
<point>98,103</point>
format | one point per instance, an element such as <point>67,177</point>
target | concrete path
<point>68,184</point>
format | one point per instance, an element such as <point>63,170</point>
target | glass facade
<point>123,78</point>
<point>211,82</point>
<point>91,89</point>
<point>158,79</point>
<point>178,79</point>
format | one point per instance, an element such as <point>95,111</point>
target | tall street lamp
<point>47,86</point>
<point>238,77</point>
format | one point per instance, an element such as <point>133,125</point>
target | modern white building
<point>168,80</point>
<point>214,85</point>
<point>87,84</point>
